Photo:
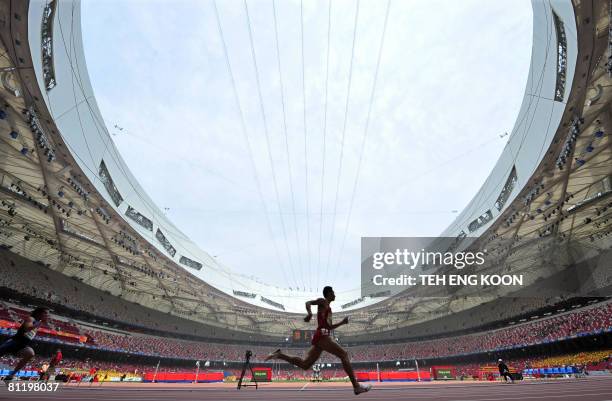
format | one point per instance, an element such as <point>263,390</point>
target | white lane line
<point>325,397</point>
<point>305,385</point>
<point>538,397</point>
<point>371,397</point>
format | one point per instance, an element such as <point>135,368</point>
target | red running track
<point>591,389</point>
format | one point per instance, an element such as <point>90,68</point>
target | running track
<point>592,389</point>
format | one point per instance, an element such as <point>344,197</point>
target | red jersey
<point>323,323</point>
<point>57,358</point>
<point>324,317</point>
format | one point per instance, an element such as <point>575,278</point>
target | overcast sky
<point>450,82</point>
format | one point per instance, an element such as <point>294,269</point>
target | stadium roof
<point>70,202</point>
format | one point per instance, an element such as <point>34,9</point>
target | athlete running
<point>19,344</point>
<point>323,340</point>
<point>504,371</point>
<point>56,360</point>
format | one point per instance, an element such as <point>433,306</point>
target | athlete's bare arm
<point>342,323</point>
<point>318,302</point>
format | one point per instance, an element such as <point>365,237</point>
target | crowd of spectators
<point>585,321</point>
<point>590,320</point>
<point>82,368</point>
<point>474,318</point>
<point>47,284</point>
<point>26,277</point>
<point>593,360</point>
<point>54,328</point>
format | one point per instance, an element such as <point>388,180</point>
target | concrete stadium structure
<point>71,203</point>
